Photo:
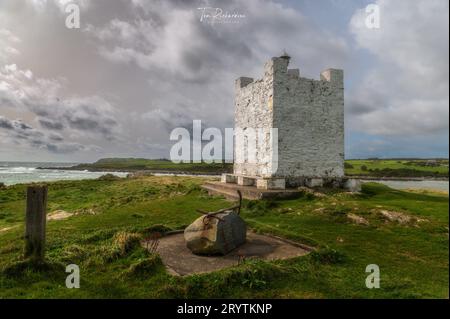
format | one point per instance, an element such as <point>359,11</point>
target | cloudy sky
<point>135,70</point>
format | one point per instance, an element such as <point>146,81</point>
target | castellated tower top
<point>280,64</point>
<point>308,116</point>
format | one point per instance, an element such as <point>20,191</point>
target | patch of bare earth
<point>58,215</point>
<point>311,191</point>
<point>357,219</point>
<point>427,191</point>
<point>4,229</point>
<point>62,214</point>
<point>399,217</point>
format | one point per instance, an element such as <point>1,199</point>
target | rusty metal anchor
<point>208,215</point>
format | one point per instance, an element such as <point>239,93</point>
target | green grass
<point>397,168</point>
<point>113,215</point>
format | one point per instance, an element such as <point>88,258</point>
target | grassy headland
<point>154,165</point>
<point>405,168</point>
<point>406,234</point>
<point>434,168</point>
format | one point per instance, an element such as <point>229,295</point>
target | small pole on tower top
<point>284,55</point>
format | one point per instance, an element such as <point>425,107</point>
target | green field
<point>112,215</point>
<point>374,168</point>
<point>397,168</point>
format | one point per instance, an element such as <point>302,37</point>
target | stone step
<point>228,193</point>
<point>248,192</point>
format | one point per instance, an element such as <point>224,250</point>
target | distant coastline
<point>12,173</point>
<point>370,169</point>
<point>133,171</point>
<point>181,172</point>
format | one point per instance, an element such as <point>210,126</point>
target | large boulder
<point>216,234</point>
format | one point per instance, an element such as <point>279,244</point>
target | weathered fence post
<point>36,215</point>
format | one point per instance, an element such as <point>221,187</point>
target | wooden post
<point>36,218</point>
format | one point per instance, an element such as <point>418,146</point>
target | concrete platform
<point>180,261</point>
<point>249,192</point>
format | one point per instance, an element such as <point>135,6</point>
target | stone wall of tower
<point>253,110</point>
<point>309,117</point>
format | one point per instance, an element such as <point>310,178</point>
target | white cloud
<point>170,37</point>
<point>406,90</point>
<point>41,5</point>
<point>22,91</point>
<point>7,42</point>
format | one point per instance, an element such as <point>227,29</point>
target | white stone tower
<point>308,116</point>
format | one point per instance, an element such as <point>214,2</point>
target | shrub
<point>108,177</point>
<point>348,165</point>
<point>307,193</point>
<point>194,188</point>
<point>126,242</point>
<point>260,207</point>
<point>144,266</point>
<point>74,253</point>
<point>22,267</point>
<point>339,215</point>
<point>157,228</point>
<point>372,189</point>
<point>364,168</point>
<point>328,256</point>
<point>98,235</point>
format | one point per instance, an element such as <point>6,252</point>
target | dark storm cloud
<point>55,137</point>
<point>87,118</point>
<point>20,132</point>
<point>51,125</point>
<point>18,127</point>
<point>5,123</point>
<point>90,115</point>
<point>65,148</point>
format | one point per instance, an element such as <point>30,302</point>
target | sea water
<point>28,172</point>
